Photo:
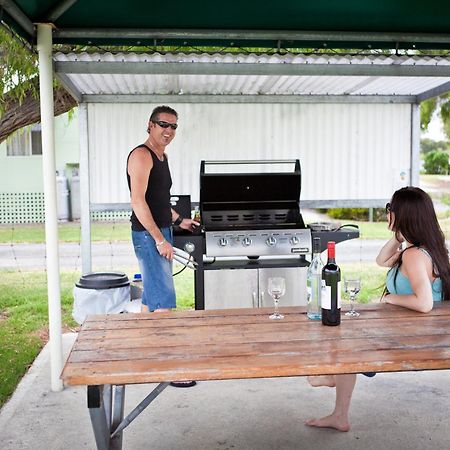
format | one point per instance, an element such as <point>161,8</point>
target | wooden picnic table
<point>115,350</point>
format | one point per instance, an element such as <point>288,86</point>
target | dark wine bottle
<point>331,297</point>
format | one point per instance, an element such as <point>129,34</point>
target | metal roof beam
<point>18,15</point>
<point>368,81</point>
<point>249,35</point>
<point>210,98</point>
<point>288,69</point>
<point>70,87</point>
<point>58,10</point>
<point>438,90</point>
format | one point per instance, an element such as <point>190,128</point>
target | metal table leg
<point>117,416</point>
<point>107,401</point>
<point>106,407</point>
<point>99,416</point>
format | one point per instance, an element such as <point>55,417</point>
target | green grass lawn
<point>24,322</point>
<point>67,232</point>
<point>379,230</point>
<point>24,318</point>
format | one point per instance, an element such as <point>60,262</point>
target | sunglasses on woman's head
<point>388,208</point>
<point>163,124</point>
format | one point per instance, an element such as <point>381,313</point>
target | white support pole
<point>85,200</point>
<point>415,144</point>
<point>44,46</point>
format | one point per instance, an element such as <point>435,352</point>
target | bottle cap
<point>316,245</point>
<point>331,246</point>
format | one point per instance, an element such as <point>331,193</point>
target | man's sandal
<point>183,384</point>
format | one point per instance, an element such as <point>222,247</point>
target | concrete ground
<point>391,411</point>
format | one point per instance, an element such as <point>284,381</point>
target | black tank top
<point>157,195</point>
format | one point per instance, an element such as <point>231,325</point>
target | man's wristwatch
<point>178,220</point>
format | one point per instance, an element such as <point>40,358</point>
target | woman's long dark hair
<point>414,218</point>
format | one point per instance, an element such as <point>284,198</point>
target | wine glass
<point>352,287</point>
<point>276,287</point>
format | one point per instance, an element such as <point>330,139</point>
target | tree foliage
<point>18,66</point>
<point>427,145</point>
<point>428,108</point>
<point>437,162</point>
<point>19,86</point>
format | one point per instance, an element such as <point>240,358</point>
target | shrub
<point>349,213</point>
<point>428,145</point>
<point>436,162</point>
<point>379,214</point>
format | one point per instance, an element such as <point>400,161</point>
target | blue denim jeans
<point>157,280</point>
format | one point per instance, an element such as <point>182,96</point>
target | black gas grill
<point>251,208</point>
<point>251,219</point>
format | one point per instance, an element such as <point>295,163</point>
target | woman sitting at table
<point>419,274</point>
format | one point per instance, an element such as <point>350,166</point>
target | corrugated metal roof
<point>285,24</point>
<point>198,84</point>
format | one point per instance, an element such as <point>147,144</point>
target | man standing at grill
<point>149,180</point>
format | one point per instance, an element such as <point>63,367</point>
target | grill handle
<point>250,161</point>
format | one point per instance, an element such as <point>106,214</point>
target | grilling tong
<point>184,258</point>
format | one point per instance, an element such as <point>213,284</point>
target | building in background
<point>21,185</point>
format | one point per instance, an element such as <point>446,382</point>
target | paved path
<point>120,254</point>
<point>32,256</point>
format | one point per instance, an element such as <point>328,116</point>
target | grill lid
<point>250,194</point>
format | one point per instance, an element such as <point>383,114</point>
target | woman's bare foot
<point>322,380</point>
<point>332,421</point>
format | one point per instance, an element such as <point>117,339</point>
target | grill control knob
<point>294,240</point>
<point>246,241</point>
<point>271,241</point>
<point>189,247</point>
<point>223,242</point>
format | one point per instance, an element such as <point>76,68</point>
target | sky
<point>435,131</point>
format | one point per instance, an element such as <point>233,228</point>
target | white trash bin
<point>100,293</point>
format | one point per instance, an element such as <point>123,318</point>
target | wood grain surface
<point>245,343</point>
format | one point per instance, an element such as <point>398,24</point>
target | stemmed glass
<point>276,287</point>
<point>352,287</point>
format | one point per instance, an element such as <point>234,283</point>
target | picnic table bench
<point>112,351</point>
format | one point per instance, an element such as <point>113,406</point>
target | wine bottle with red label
<point>331,295</point>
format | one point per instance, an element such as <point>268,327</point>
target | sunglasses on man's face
<point>163,124</point>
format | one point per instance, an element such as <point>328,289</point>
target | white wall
<point>346,151</point>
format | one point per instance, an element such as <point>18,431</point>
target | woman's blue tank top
<point>401,284</point>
